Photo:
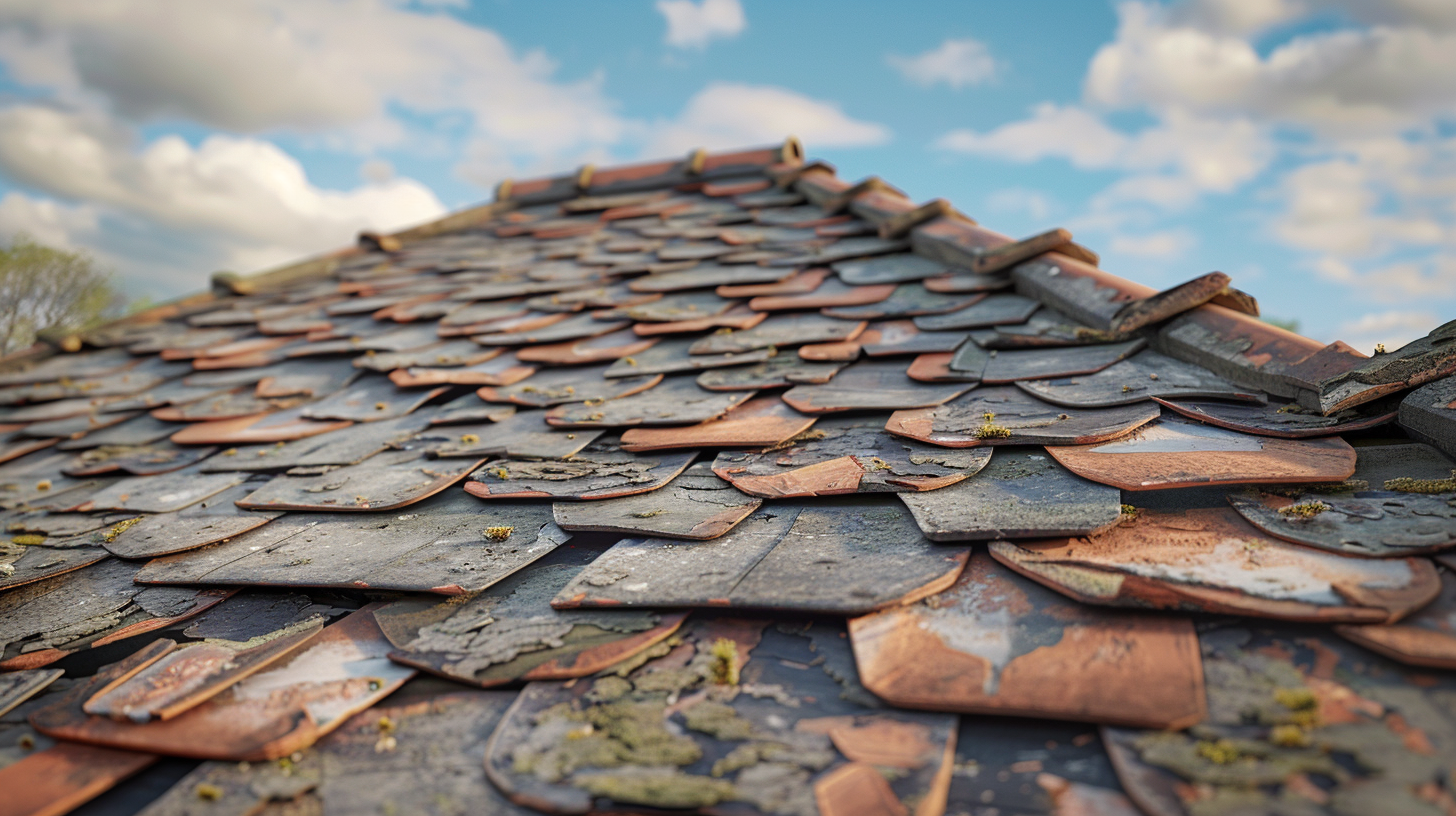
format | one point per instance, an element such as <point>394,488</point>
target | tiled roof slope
<point>724,485</point>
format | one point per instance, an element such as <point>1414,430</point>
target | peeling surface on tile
<point>1008,416</point>
<point>601,471</point>
<point>846,455</point>
<point>996,643</point>
<point>93,606</point>
<point>510,633</point>
<point>838,558</point>
<point>342,670</point>
<point>1287,706</point>
<point>1211,560</point>
<point>1022,493</point>
<point>695,505</point>
<point>450,546</point>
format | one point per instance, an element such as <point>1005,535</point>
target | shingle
<point>1132,670</point>
<point>822,732</point>
<point>601,471</point>
<point>1001,415</point>
<point>1173,452</point>
<point>341,670</point>
<point>1021,493</point>
<point>444,547</point>
<point>1288,420</point>
<point>846,455</point>
<point>509,633</point>
<point>1214,561</point>
<point>385,481</point>
<point>559,386</point>
<point>695,505</point>
<point>782,369</point>
<point>764,421</point>
<point>869,386</point>
<point>1270,675</point>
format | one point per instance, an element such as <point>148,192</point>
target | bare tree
<point>46,288</point>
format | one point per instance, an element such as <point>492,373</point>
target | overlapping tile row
<point>723,485</point>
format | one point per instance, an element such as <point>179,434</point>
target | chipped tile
<point>510,633</point>
<point>996,643</point>
<point>846,455</point>
<point>1022,493</point>
<point>1214,561</point>
<point>1173,452</point>
<point>1001,415</point>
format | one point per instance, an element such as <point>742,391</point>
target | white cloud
<point>957,63</point>
<point>46,221</point>
<point>694,25</point>
<point>1377,78</point>
<point>230,201</point>
<point>1175,160</point>
<point>725,115</point>
<point>1392,329</point>
<point>343,67</point>
<point>242,187</point>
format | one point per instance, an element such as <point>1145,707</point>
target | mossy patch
<point>1304,510</point>
<point>658,788</point>
<point>725,662</point>
<point>1406,484</point>
<point>717,720</point>
<point>990,430</point>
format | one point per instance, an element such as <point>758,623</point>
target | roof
<point>724,485</point>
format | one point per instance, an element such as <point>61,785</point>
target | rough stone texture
<point>1020,494</point>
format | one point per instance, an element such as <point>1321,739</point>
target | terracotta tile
<point>799,283</point>
<point>671,356</point>
<point>738,318</point>
<point>1131,670</point>
<point>613,346</point>
<point>237,725</point>
<point>559,386</point>
<point>1212,560</point>
<point>759,422</point>
<point>1173,452</point>
<point>830,293</point>
<point>1288,421</point>
<point>783,330</point>
<point>846,456</point>
<point>386,481</point>
<point>998,415</point>
<point>1141,377</point>
<point>786,369</point>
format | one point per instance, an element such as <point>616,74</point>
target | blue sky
<point>1303,146</point>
